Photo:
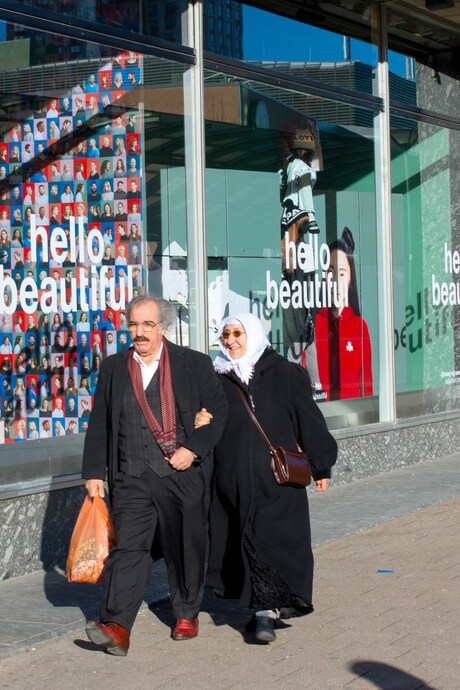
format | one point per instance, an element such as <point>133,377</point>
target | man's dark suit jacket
<point>195,386</point>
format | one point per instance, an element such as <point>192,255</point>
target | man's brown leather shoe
<point>185,629</point>
<point>111,636</point>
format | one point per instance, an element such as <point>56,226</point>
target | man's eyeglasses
<point>236,334</point>
<point>146,326</point>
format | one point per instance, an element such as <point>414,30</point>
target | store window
<point>91,154</point>
<point>426,261</point>
<point>424,181</point>
<point>291,231</point>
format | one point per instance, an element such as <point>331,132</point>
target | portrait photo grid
<point>71,233</point>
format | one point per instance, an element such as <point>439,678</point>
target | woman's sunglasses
<point>236,334</point>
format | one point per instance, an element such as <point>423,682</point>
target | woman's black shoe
<point>265,631</point>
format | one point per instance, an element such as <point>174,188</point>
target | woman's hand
<point>321,484</point>
<point>202,418</point>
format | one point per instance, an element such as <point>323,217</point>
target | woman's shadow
<point>387,677</point>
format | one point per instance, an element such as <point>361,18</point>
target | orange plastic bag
<point>91,539</point>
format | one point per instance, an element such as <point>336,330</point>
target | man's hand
<point>95,487</point>
<point>182,459</point>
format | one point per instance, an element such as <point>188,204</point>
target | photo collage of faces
<point>77,154</point>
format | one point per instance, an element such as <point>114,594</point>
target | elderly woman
<point>260,543</point>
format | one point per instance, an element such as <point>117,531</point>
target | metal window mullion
<point>387,377</point>
<point>195,185</point>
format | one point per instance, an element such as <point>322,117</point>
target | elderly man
<point>142,427</point>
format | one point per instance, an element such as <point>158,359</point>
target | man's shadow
<point>59,520</point>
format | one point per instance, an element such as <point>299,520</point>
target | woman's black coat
<point>246,501</point>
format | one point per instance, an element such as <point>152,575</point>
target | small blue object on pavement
<point>384,570</point>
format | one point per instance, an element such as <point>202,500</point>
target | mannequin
<point>297,179</point>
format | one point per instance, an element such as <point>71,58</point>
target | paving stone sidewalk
<point>387,614</point>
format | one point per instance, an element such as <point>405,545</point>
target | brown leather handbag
<point>289,467</point>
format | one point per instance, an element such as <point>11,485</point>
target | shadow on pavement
<point>59,519</point>
<point>61,593</point>
<point>387,677</point>
<point>222,612</point>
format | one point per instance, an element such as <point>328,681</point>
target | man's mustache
<point>140,339</point>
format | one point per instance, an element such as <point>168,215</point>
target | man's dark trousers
<point>175,505</point>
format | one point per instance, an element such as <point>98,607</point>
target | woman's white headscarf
<point>257,342</point>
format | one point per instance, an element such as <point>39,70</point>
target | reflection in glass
<point>161,19</point>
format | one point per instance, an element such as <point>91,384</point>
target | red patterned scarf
<point>166,436</point>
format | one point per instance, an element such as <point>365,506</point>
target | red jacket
<point>344,354</point>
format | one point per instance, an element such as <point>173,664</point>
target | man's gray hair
<point>166,310</point>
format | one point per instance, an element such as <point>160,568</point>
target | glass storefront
<point>291,230</point>
<point>424,164</point>
<point>86,162</point>
<point>97,171</point>
<point>426,267</point>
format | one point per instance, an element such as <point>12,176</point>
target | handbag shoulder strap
<point>253,417</point>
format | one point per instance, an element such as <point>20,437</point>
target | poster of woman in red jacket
<point>341,334</point>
